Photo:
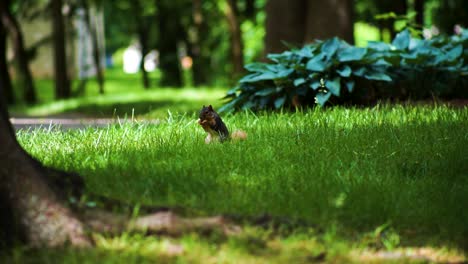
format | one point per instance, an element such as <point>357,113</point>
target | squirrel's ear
<point>210,107</point>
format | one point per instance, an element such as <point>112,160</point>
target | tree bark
<point>23,72</point>
<point>285,22</point>
<point>419,8</point>
<point>94,41</point>
<point>62,83</point>
<point>326,19</point>
<point>232,15</point>
<point>142,30</point>
<point>201,63</point>
<point>41,216</point>
<point>5,80</point>
<point>170,32</point>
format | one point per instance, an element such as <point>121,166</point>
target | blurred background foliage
<point>192,43</point>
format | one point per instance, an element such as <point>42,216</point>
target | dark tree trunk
<point>23,72</point>
<point>326,19</point>
<point>170,32</point>
<point>142,35</point>
<point>285,22</point>
<point>232,15</point>
<point>249,11</point>
<point>400,7</point>
<point>142,29</point>
<point>419,8</point>
<point>5,80</point>
<point>302,21</point>
<point>200,62</point>
<point>39,214</point>
<point>62,83</point>
<point>94,41</point>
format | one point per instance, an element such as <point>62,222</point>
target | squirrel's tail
<point>239,135</point>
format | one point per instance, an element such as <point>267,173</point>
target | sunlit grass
<point>346,180</point>
<point>124,96</point>
<point>360,167</point>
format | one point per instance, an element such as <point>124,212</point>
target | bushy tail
<point>239,135</point>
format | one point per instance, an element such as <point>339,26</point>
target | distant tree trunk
<point>232,15</point>
<point>400,7</point>
<point>142,36</point>
<point>62,83</point>
<point>302,21</point>
<point>326,19</point>
<point>285,22</point>
<point>419,8</point>
<point>200,62</point>
<point>5,80</point>
<point>249,11</point>
<point>142,30</point>
<point>23,72</point>
<point>170,32</point>
<point>94,42</point>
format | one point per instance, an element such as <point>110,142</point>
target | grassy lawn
<point>124,96</point>
<point>339,181</point>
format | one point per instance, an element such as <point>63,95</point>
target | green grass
<point>124,95</point>
<point>354,168</point>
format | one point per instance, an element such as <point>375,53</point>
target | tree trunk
<point>200,63</point>
<point>249,11</point>
<point>419,8</point>
<point>326,19</point>
<point>94,41</point>
<point>5,80</point>
<point>142,35</point>
<point>232,15</point>
<point>170,32</point>
<point>23,72</point>
<point>285,22</point>
<point>41,216</point>
<point>62,84</point>
<point>400,7</point>
<point>142,30</point>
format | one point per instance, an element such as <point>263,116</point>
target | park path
<point>26,123</point>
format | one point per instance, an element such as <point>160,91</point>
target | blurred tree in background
<point>300,21</point>
<point>13,29</point>
<point>214,38</point>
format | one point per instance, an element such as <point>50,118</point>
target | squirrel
<point>212,123</point>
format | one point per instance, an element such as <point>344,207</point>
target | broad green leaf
<point>267,91</point>
<point>344,71</point>
<point>306,51</point>
<point>316,64</point>
<point>229,107</point>
<point>377,76</point>
<point>330,46</point>
<point>334,86</point>
<point>350,85</point>
<point>351,54</point>
<point>402,40</point>
<point>455,52</point>
<point>322,98</point>
<point>377,45</point>
<point>258,77</point>
<point>315,84</point>
<point>279,102</point>
<point>256,67</point>
<point>299,81</point>
<point>360,71</point>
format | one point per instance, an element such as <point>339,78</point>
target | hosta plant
<point>333,71</point>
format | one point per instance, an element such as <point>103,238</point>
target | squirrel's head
<point>206,112</point>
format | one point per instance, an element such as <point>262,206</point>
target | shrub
<point>334,71</point>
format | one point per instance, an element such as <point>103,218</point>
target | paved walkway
<point>68,123</point>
